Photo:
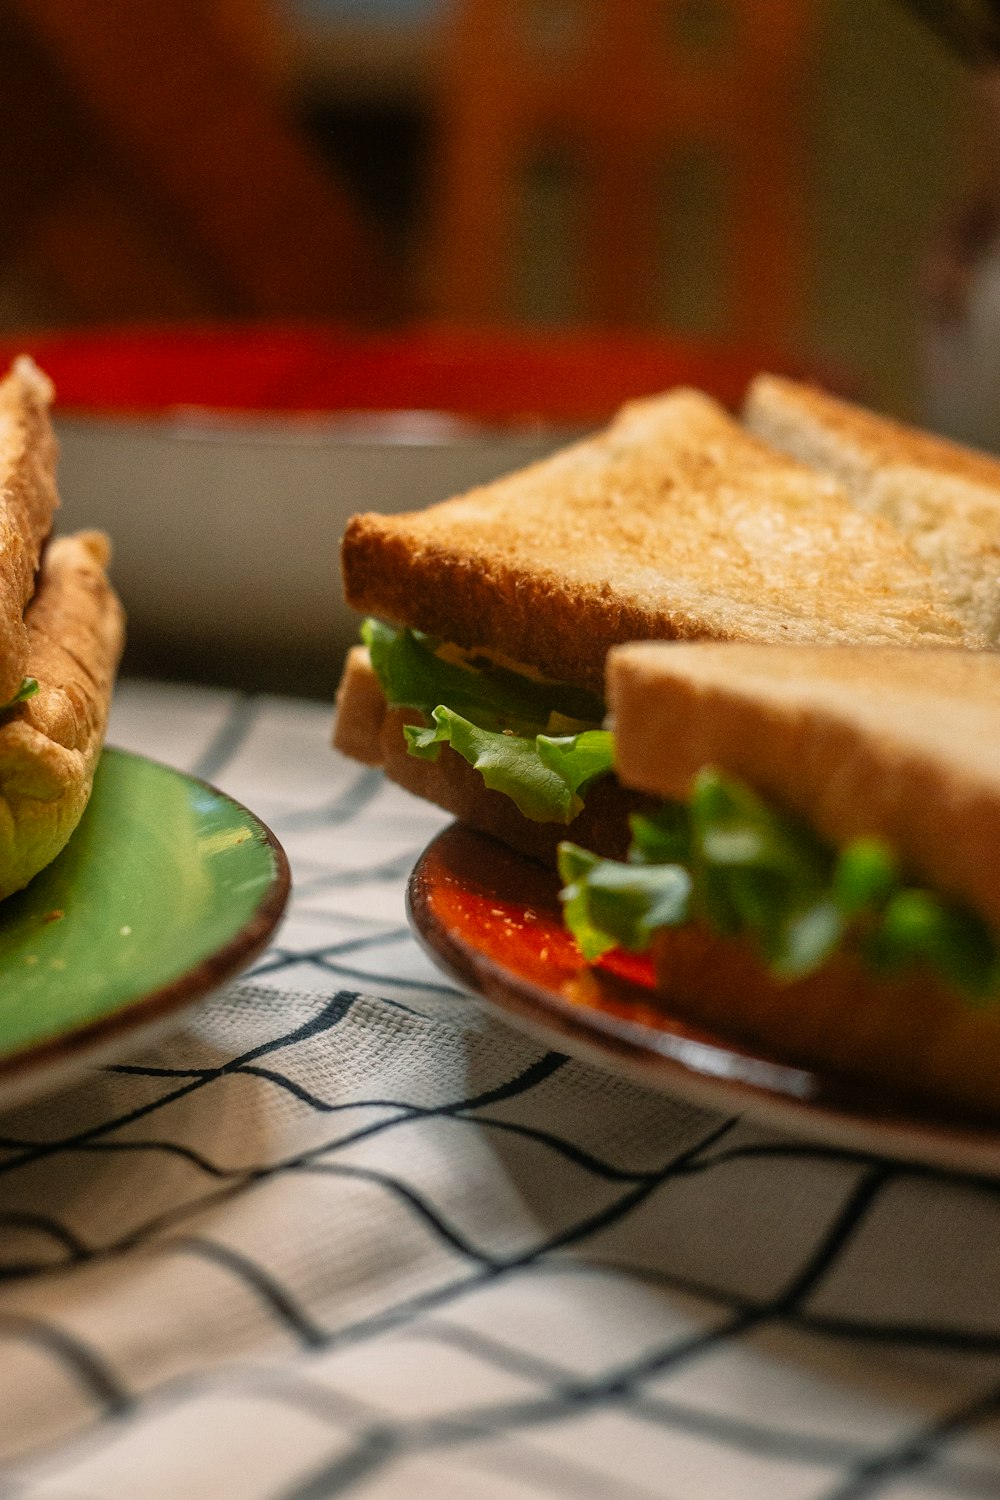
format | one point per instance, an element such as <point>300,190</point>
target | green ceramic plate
<point>166,889</point>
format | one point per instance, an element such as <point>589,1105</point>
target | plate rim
<point>195,983</point>
<point>917,1137</point>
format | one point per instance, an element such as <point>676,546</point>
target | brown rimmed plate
<point>167,889</point>
<point>492,921</point>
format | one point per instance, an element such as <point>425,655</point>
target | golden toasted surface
<point>902,744</point>
<point>896,743</point>
<point>876,440</point>
<point>367,729</point>
<point>943,498</point>
<point>674,523</point>
<point>49,745</point>
<point>28,501</point>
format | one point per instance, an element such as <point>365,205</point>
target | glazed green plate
<point>166,889</point>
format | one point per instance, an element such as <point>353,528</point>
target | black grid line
<point>285,962</point>
<point>327,1403</point>
<point>331,1014</point>
<point>343,808</point>
<point>643,1182</point>
<point>807,1278</point>
<point>752,1310</point>
<point>753,1437</point>
<point>407,1111</point>
<point>231,735</point>
<point>876,1473</point>
<point>237,1178</point>
<point>333,917</point>
<point>351,945</point>
<point>403,1313</point>
<point>827,1251</point>
<point>930,1336</point>
<point>48,1226</point>
<point>395,869</point>
<point>91,1373</point>
<point>270,1292</point>
<point>446,1233</point>
<point>385,1442</point>
<point>379,1439</point>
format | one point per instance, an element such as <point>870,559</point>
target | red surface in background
<point>502,377</point>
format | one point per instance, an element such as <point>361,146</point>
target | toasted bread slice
<point>907,1034</point>
<point>896,743</point>
<point>50,744</point>
<point>367,729</point>
<point>945,499</point>
<point>28,501</point>
<point>674,523</point>
<point>893,743</point>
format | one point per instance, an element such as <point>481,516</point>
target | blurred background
<point>687,188</point>
<point>401,160</point>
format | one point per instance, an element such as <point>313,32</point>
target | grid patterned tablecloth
<point>343,1233</point>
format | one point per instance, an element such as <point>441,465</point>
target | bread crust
<point>50,744</point>
<point>673,524</point>
<point>943,498</point>
<point>28,501</point>
<point>367,729</point>
<point>894,743</point>
<point>867,437</point>
<point>908,1033</point>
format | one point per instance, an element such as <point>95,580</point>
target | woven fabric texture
<point>344,1233</point>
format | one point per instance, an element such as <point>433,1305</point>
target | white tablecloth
<point>343,1233</point>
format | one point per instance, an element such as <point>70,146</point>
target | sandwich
<point>490,616</point>
<point>28,501</point>
<point>821,871</point>
<point>943,498</point>
<point>61,637</point>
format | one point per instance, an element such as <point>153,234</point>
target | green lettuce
<point>544,776</point>
<point>28,689</point>
<point>506,726</point>
<point>742,868</point>
<point>603,897</point>
<point>413,675</point>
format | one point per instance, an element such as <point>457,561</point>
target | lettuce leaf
<point>412,675</point>
<point>28,689</point>
<point>743,868</point>
<point>603,897</point>
<point>544,776</point>
<point>497,721</point>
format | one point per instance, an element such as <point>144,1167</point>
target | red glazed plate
<point>492,921</point>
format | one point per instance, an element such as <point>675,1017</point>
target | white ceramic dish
<point>227,531</point>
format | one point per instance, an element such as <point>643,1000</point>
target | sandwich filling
<point>28,689</point>
<point>744,869</point>
<point>539,743</point>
